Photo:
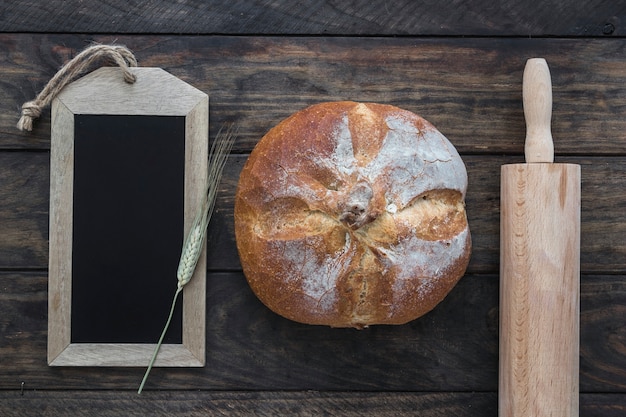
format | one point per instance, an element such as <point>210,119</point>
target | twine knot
<point>31,110</point>
<point>119,55</point>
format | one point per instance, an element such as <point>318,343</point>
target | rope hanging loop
<point>116,54</point>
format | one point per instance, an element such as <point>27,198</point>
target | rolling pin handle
<point>537,97</point>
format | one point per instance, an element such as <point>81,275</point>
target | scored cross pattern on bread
<point>350,214</point>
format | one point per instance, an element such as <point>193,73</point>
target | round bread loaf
<point>350,214</point>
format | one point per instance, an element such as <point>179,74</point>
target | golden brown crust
<point>351,214</point>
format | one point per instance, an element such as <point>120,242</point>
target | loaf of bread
<point>350,214</point>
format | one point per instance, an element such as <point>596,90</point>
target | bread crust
<point>352,214</point>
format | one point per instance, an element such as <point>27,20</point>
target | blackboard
<point>128,173</point>
<point>128,227</point>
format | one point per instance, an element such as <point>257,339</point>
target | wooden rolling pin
<point>539,268</point>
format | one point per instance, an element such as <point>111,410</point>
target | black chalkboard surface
<point>129,174</point>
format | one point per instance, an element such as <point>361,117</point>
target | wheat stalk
<point>193,245</point>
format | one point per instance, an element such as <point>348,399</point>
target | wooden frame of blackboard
<point>104,92</point>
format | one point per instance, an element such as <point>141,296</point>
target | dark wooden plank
<point>24,208</point>
<point>603,333</point>
<point>356,17</point>
<point>603,245</point>
<point>470,88</point>
<point>249,347</point>
<point>275,403</point>
<point>453,348</point>
<point>602,405</point>
<point>24,187</point>
<point>271,404</point>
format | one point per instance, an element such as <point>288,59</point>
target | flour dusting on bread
<point>350,214</point>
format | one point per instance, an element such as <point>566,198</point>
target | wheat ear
<point>196,236</point>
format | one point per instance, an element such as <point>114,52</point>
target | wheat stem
<point>156,351</point>
<point>194,242</point>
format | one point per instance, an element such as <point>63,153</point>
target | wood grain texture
<point>596,369</point>
<point>24,179</point>
<point>470,89</point>
<point>464,76</point>
<point>453,348</point>
<point>537,99</point>
<point>61,231</point>
<point>539,268</point>
<point>539,289</point>
<point>249,347</point>
<point>319,17</point>
<point>270,404</point>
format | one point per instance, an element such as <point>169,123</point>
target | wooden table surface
<point>457,64</point>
